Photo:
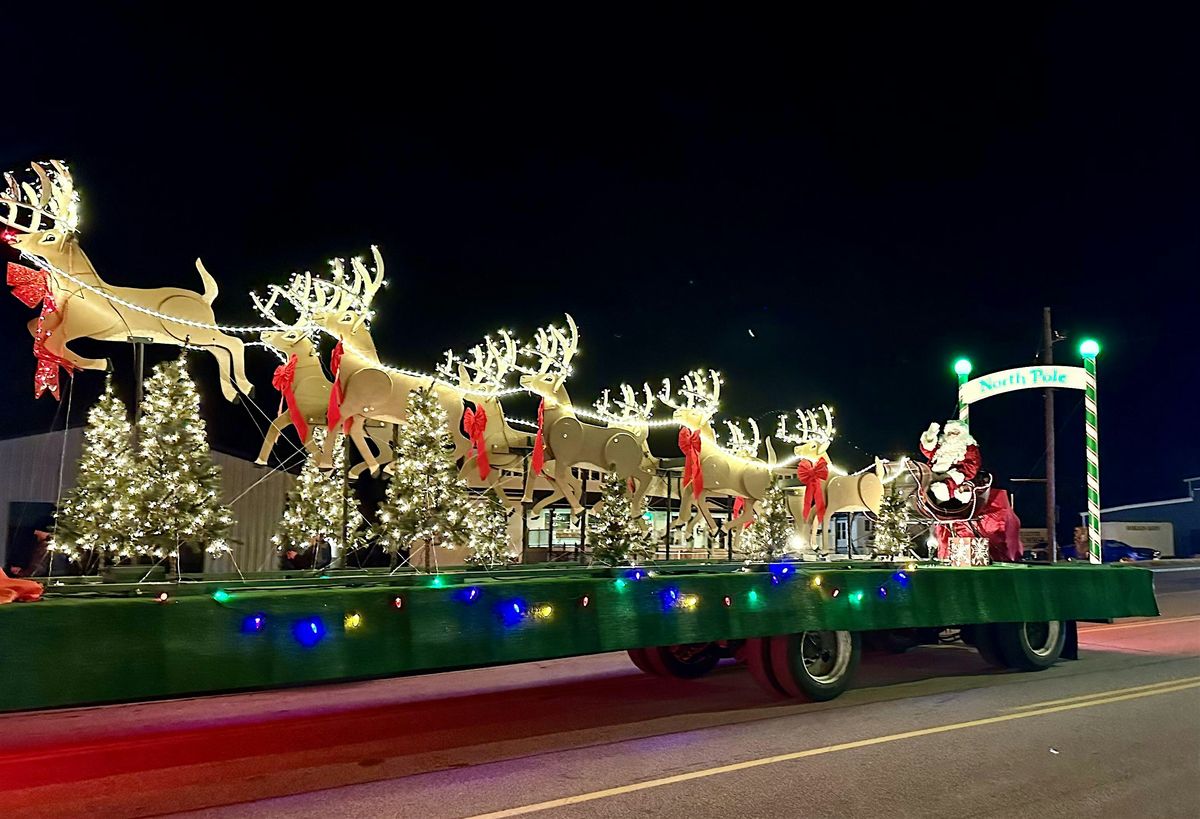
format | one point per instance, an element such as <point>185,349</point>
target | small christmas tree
<point>176,503</point>
<point>427,503</point>
<point>313,512</point>
<point>93,523</point>
<point>614,534</point>
<point>489,533</point>
<point>770,534</point>
<point>890,537</point>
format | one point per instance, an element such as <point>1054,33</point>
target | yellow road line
<point>828,749</point>
<point>1110,693</point>
<point>1161,621</point>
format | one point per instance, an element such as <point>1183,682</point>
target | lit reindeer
<point>825,496</point>
<point>369,388</point>
<point>632,414</point>
<point>568,441</point>
<point>89,307</point>
<point>307,382</point>
<point>495,445</point>
<point>709,469</point>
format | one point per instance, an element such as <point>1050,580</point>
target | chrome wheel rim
<point>1042,637</point>
<point>826,655</point>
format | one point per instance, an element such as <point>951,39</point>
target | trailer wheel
<point>983,636</point>
<point>815,665</point>
<point>1030,646</point>
<point>639,658</point>
<point>757,653</point>
<point>685,662</point>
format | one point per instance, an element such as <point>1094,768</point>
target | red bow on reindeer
<point>812,476</point>
<point>32,287</point>
<point>689,442</point>
<point>475,422</point>
<point>334,413</point>
<point>284,380</point>
<point>539,443</point>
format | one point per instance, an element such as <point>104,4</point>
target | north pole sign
<point>1022,378</point>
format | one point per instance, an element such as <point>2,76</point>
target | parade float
<point>126,624</point>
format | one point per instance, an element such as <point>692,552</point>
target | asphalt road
<point>930,733</point>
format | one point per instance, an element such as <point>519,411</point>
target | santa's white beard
<point>951,450</point>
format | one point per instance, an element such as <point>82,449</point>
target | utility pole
<point>1048,397</point>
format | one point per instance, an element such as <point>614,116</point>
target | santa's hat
<point>958,428</point>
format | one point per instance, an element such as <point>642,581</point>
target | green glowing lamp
<point>220,595</point>
<point>962,367</point>
<point>1090,348</point>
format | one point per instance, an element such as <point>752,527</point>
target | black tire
<point>1030,646</point>
<point>984,638</point>
<point>687,661</point>
<point>757,653</point>
<point>683,662</point>
<point>640,658</point>
<point>815,665</point>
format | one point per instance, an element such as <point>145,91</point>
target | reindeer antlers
<point>54,199</point>
<point>701,392</point>
<point>629,406</point>
<point>812,429</point>
<point>554,348</point>
<point>299,294</point>
<point>739,444</point>
<point>486,370</point>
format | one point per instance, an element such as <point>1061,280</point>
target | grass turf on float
<point>93,643</point>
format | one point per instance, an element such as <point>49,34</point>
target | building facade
<point>1182,514</point>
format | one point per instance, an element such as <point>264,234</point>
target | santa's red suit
<point>954,460</point>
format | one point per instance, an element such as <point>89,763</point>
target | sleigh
<point>951,510</point>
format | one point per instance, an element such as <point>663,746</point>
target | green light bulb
<point>220,595</point>
<point>1090,348</point>
<point>962,366</point>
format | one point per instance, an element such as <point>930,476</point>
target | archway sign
<point>1041,377</point>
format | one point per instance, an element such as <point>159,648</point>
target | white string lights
<point>434,379</point>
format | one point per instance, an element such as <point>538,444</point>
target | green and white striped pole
<point>962,368</point>
<point>1089,349</point>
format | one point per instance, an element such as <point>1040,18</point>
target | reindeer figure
<point>370,389</point>
<point>88,306</point>
<point>631,415</point>
<point>709,469</point>
<point>567,440</point>
<point>310,386</point>
<point>481,377</point>
<point>823,495</point>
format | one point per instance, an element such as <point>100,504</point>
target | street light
<point>962,369</point>
<point>1089,348</point>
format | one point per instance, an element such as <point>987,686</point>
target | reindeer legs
<point>273,432</point>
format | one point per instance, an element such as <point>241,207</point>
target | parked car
<point>1111,551</point>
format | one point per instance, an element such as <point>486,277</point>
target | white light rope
<point>434,379</point>
<point>104,294</point>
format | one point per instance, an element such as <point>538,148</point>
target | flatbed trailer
<point>797,625</point>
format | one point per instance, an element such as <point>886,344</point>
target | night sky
<point>871,194</point>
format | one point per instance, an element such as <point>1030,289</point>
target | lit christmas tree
<point>93,523</point>
<point>614,535</point>
<point>770,534</point>
<point>313,512</point>
<point>177,500</point>
<point>427,503</point>
<point>890,537</point>
<point>489,533</point>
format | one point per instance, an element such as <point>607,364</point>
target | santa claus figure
<point>954,460</point>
